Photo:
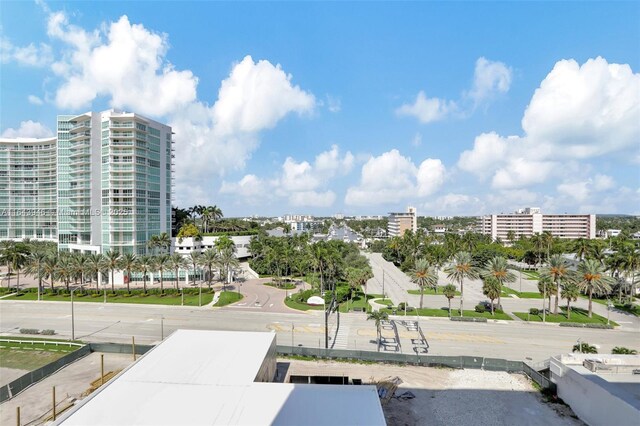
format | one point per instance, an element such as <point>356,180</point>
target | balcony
<point>79,136</point>
<point>81,127</point>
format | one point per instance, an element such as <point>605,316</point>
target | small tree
<point>378,317</point>
<point>585,348</point>
<point>491,288</point>
<point>424,275</point>
<point>571,293</point>
<point>621,350</point>
<point>449,292</point>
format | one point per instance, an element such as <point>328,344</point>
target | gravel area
<point>451,397</point>
<point>8,375</point>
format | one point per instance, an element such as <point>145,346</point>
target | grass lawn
<point>358,302</point>
<point>578,315</point>
<point>443,312</point>
<point>506,291</point>
<point>27,359</point>
<point>301,306</point>
<point>228,297</point>
<point>150,299</point>
<point>531,275</point>
<point>282,286</point>
<point>431,292</point>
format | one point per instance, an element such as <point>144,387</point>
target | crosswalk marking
<point>342,338</point>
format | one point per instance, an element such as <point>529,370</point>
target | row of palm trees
<point>589,277</point>
<point>82,268</point>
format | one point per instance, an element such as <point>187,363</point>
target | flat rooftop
<point>208,378</point>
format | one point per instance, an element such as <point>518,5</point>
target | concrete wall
<point>188,244</point>
<point>590,396</point>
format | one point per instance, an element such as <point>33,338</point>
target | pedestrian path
<point>341,340</point>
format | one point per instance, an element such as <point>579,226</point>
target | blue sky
<point>359,108</point>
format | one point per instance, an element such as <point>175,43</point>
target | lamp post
<point>161,327</point>
<point>609,306</point>
<point>73,328</point>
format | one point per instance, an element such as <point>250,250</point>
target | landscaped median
<point>578,316</point>
<point>444,313</point>
<point>284,285</point>
<point>151,297</point>
<point>431,292</point>
<point>228,297</point>
<point>507,291</point>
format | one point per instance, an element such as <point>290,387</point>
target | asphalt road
<point>118,322</point>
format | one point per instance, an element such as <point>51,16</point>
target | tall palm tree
<point>161,241</point>
<point>161,264</point>
<point>557,271</point>
<point>95,266</point>
<point>50,267</point>
<point>194,260</point>
<point>378,317</point>
<point>145,265</point>
<point>64,270</point>
<point>35,267</point>
<point>227,261</point>
<point>592,279</point>
<point>424,275</point>
<point>128,263</point>
<point>209,260</point>
<point>462,268</point>
<point>319,256</point>
<point>112,262</point>
<point>177,262</point>
<point>449,292</point>
<point>630,266</point>
<point>498,269</point>
<point>582,247</point>
<point>80,262</point>
<point>14,256</point>
<point>571,292</point>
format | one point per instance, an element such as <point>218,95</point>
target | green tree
<point>592,279</point>
<point>209,259</point>
<point>227,261</point>
<point>14,256</point>
<point>571,292</point>
<point>189,230</point>
<point>498,269</point>
<point>378,317</point>
<point>585,348</point>
<point>35,267</point>
<point>145,265</point>
<point>621,350</point>
<point>128,263</point>
<point>112,262</point>
<point>162,263</point>
<point>95,266</point>
<point>449,292</point>
<point>424,275</point>
<point>461,268</point>
<point>557,271</point>
<point>50,268</point>
<point>491,288</point>
<point>177,262</point>
<point>162,242</point>
<point>194,261</point>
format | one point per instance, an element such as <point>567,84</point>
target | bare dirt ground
<point>36,402</point>
<point>7,375</point>
<point>451,397</point>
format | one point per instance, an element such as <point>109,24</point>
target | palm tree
<point>585,348</point>
<point>620,350</point>
<point>194,260</point>
<point>227,261</point>
<point>571,292</point>
<point>319,256</point>
<point>35,267</point>
<point>498,269</point>
<point>209,259</point>
<point>145,265</point>
<point>461,268</point>
<point>161,264</point>
<point>128,263</point>
<point>557,271</point>
<point>162,241</point>
<point>64,270</point>
<point>592,279</point>
<point>111,263</point>
<point>630,266</point>
<point>14,256</point>
<point>582,247</point>
<point>80,263</point>
<point>491,288</point>
<point>95,266</point>
<point>449,292</point>
<point>378,317</point>
<point>424,275</point>
<point>177,262</point>
<point>50,267</point>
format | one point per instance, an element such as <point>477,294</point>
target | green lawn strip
<point>149,299</point>
<point>293,304</point>
<point>45,338</point>
<point>430,291</point>
<point>507,291</point>
<point>51,347</point>
<point>535,276</point>
<point>633,310</point>
<point>430,312</point>
<point>27,359</point>
<point>578,315</point>
<point>359,302</point>
<point>282,286</point>
<point>228,297</point>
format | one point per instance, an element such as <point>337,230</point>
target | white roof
<point>207,378</point>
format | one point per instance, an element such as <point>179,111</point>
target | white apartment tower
<point>114,181</point>
<point>399,223</point>
<point>530,221</point>
<point>28,189</point>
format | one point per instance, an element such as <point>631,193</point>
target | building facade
<point>114,181</point>
<point>28,189</point>
<point>399,223</point>
<point>528,222</point>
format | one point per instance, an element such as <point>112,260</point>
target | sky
<point>456,108</point>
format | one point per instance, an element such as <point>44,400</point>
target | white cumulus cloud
<point>427,110</point>
<point>490,78</point>
<point>28,129</point>
<point>35,100</point>
<point>31,55</point>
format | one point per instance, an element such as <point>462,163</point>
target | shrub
<point>480,308</point>
<point>401,306</point>
<point>468,319</point>
<point>48,332</point>
<point>621,350</point>
<point>29,331</point>
<point>534,311</point>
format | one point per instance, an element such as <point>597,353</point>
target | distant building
<point>28,195</point>
<point>338,216</point>
<point>439,229</point>
<point>530,221</point>
<point>399,223</point>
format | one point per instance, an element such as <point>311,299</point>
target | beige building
<point>399,223</point>
<point>530,221</point>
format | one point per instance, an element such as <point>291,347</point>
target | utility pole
<point>383,284</point>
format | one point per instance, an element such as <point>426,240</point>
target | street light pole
<point>73,328</point>
<point>161,327</point>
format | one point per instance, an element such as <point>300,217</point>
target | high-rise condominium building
<point>399,223</point>
<point>28,189</point>
<point>530,221</point>
<point>114,181</point>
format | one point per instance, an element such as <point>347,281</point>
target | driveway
<point>259,297</point>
